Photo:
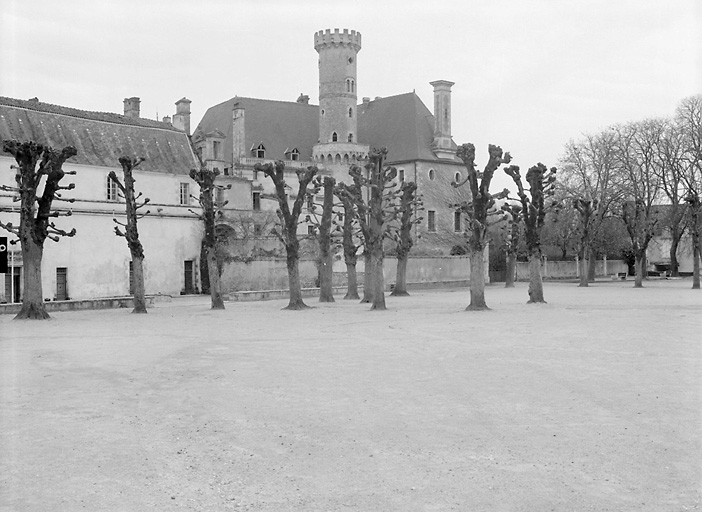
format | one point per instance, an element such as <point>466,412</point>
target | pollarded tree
<point>205,178</point>
<point>289,220</point>
<point>478,212</point>
<point>376,214</point>
<point>541,184</point>
<point>131,233</point>
<point>409,206</point>
<point>323,226</point>
<point>37,163</point>
<point>514,222</point>
<point>350,238</point>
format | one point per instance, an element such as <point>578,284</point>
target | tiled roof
<point>401,123</point>
<point>100,137</point>
<point>280,125</point>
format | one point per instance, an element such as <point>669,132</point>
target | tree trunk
<point>696,254</point>
<point>674,265</point>
<point>138,283</point>
<point>326,277</point>
<point>400,289</point>
<point>378,280</point>
<point>367,279</point>
<point>591,266</point>
<point>352,289</point>
<point>33,307</point>
<point>511,270</point>
<point>477,282</point>
<point>215,282</point>
<point>296,302</point>
<point>639,271</point>
<point>583,270</point>
<point>204,268</point>
<point>536,286</point>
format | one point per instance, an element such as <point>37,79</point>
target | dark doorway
<point>12,285</point>
<point>189,278</point>
<point>61,283</point>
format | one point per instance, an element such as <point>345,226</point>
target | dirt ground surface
<point>592,402</point>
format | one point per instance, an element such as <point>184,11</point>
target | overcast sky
<point>529,75</point>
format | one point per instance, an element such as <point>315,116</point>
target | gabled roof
<point>280,125</point>
<point>401,123</point>
<point>100,137</point>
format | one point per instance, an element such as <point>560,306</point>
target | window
<point>310,230</point>
<point>335,137</point>
<point>255,175</point>
<point>458,177</point>
<point>348,85</point>
<point>112,190</point>
<point>216,150</point>
<point>260,151</point>
<point>294,154</point>
<point>457,221</point>
<point>257,201</point>
<point>401,175</point>
<point>432,174</point>
<point>431,220</point>
<point>350,137</point>
<point>350,112</point>
<point>184,193</point>
<point>219,197</point>
<point>353,86</point>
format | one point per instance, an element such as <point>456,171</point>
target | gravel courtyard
<point>592,402</point>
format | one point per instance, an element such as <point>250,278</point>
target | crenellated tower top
<point>326,38</point>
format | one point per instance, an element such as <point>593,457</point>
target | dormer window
<point>259,151</point>
<point>335,137</point>
<point>293,154</point>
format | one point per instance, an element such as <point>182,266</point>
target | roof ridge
<point>104,117</point>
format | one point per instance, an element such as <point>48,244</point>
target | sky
<point>529,75</point>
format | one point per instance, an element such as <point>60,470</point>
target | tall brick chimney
<point>131,107</point>
<point>181,119</point>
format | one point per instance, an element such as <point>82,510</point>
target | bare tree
<point>541,185</point>
<point>37,163</point>
<point>409,206</point>
<point>131,233</point>
<point>350,238</point>
<point>688,118</point>
<point>514,221</point>
<point>289,220</point>
<point>205,178</point>
<point>478,212</point>
<point>588,180</point>
<point>637,159</point>
<point>323,226</point>
<point>375,216</point>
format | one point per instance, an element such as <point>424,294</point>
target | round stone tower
<point>338,127</point>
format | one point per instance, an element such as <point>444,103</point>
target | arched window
<point>330,159</point>
<point>346,158</point>
<point>335,138</point>
<point>353,86</point>
<point>350,137</point>
<point>348,85</point>
<point>337,159</point>
<point>432,174</point>
<point>458,177</point>
<point>350,112</point>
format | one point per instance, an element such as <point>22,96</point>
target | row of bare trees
<point>359,215</point>
<point>645,174</point>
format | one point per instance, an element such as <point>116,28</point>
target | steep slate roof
<point>100,137</point>
<point>280,125</point>
<point>401,123</point>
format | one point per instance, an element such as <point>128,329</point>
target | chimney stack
<point>131,107</point>
<point>304,99</point>
<point>181,119</point>
<point>442,144</point>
